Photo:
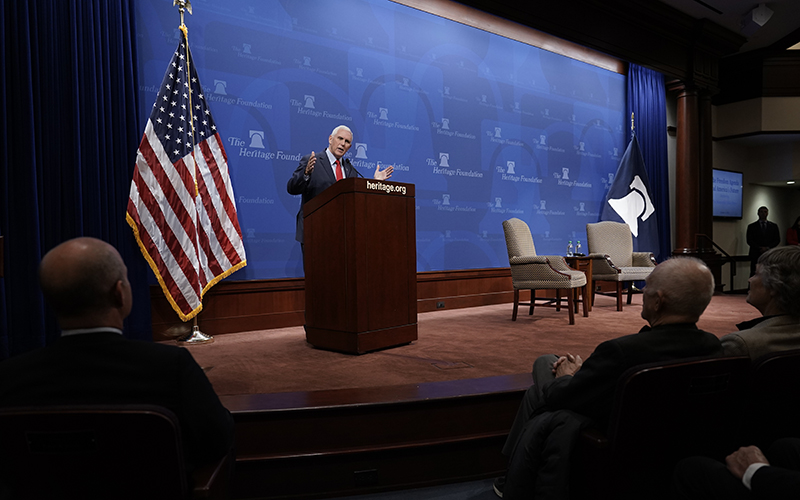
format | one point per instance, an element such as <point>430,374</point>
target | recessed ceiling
<point>785,19</point>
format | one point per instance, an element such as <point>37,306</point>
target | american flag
<point>181,207</point>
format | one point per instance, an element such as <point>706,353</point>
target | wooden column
<point>706,177</point>
<point>687,174</point>
<point>693,180</point>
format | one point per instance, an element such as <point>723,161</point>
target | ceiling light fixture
<point>755,18</point>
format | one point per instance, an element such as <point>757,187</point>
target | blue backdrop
<point>487,128</point>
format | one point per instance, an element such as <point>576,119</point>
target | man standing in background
<point>761,236</point>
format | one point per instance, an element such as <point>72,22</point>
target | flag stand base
<point>196,337</point>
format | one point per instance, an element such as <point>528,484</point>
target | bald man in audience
<point>677,292</point>
<point>85,282</point>
<point>775,292</point>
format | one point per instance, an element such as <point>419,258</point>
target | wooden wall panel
<point>240,306</point>
<point>234,306</point>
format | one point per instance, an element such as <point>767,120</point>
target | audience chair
<point>110,451</point>
<point>662,413</point>
<point>613,259</point>
<point>534,272</point>
<point>773,405</point>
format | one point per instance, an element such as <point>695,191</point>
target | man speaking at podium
<point>318,171</point>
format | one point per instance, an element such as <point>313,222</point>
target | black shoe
<point>498,485</point>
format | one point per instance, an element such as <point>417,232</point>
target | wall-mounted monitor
<point>727,194</point>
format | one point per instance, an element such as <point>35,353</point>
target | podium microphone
<point>347,161</point>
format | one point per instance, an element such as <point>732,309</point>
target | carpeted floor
<point>452,345</point>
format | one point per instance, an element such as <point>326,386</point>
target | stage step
<point>318,444</point>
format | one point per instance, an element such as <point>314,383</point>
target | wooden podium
<point>361,266</point>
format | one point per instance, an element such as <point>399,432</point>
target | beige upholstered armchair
<point>613,258</point>
<point>533,272</point>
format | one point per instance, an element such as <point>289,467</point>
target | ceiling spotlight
<point>789,182</point>
<point>755,18</point>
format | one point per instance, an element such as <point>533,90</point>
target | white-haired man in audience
<point>775,292</point>
<point>677,292</point>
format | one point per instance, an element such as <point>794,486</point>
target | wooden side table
<point>583,264</point>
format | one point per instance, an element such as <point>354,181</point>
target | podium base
<point>363,342</point>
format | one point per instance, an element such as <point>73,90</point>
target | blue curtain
<point>647,101</point>
<point>70,136</point>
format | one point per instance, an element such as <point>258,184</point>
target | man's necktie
<point>339,174</point>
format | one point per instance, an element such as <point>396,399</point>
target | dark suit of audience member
<point>85,281</point>
<point>775,292</point>
<point>676,294</point>
<point>317,171</point>
<point>761,236</point>
<point>747,474</point>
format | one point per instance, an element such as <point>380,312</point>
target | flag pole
<point>633,283</point>
<point>195,336</point>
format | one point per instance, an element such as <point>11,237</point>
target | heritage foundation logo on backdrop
<point>445,127</point>
<point>257,139</point>
<point>381,118</point>
<point>309,105</point>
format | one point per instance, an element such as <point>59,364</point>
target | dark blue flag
<point>628,200</point>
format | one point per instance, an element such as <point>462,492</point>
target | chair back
<point>663,413</point>
<point>613,239</point>
<point>519,241</point>
<point>120,451</point>
<point>774,399</point>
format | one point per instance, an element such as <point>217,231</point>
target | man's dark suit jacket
<point>775,482</point>
<point>701,478</point>
<point>320,179</point>
<point>104,367</point>
<point>590,391</point>
<point>756,238</point>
